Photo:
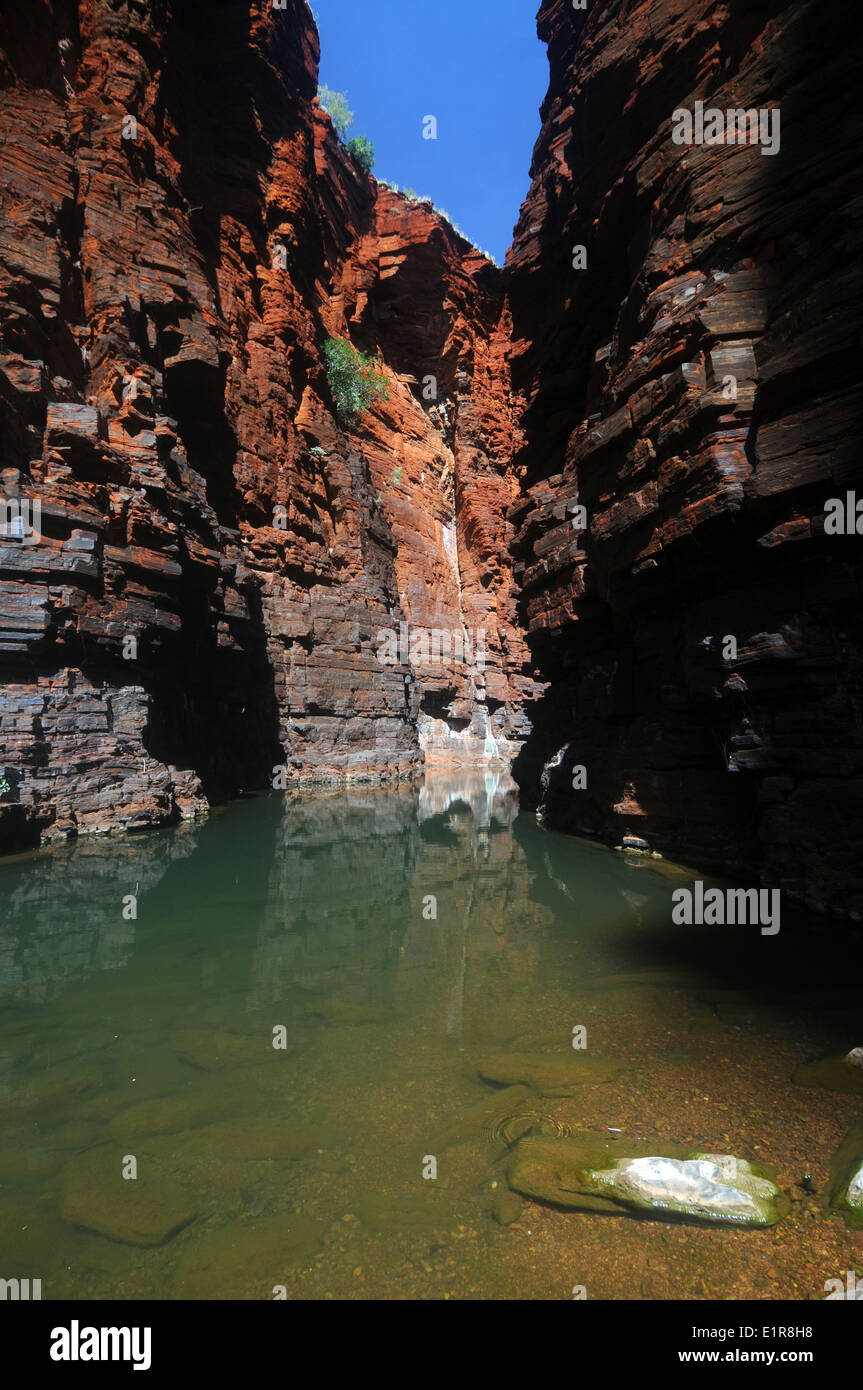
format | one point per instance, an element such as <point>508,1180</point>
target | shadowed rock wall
<point>696,388</point>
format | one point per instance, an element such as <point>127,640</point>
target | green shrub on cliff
<point>363,152</point>
<point>356,379</point>
<point>336,106</point>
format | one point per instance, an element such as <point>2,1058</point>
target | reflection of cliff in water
<point>62,908</point>
<point>336,892</point>
<point>383,897</point>
<point>456,968</point>
<point>437,904</point>
<point>490,795</point>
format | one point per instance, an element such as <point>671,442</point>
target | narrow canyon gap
<point>164,298</point>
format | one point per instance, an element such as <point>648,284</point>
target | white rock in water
<point>855,1057</point>
<point>694,1185</point>
<point>726,1163</point>
<point>854,1195</point>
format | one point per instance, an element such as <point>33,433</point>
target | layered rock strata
<point>596,503</point>
<point>687,335</point>
<point>219,556</point>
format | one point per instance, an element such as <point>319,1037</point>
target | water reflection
<point>45,944</point>
<point>393,933</point>
<point>489,794</point>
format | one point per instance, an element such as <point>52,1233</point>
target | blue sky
<point>477,66</point>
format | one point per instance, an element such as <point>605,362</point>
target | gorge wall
<point>696,388</point>
<point>181,230</point>
<point>690,378</point>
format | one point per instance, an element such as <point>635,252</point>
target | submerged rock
<point>146,1210</point>
<point>846,1177</point>
<point>843,1074</point>
<point>581,1174</point>
<point>170,1114</point>
<point>50,1090</point>
<point>481,1120</point>
<point>428,1209</point>
<point>506,1206</point>
<point>19,1160</point>
<point>106,1104</point>
<point>551,1076</point>
<point>213,1051</point>
<point>75,1134</point>
<point>31,1238</point>
<point>247,1261</point>
<point>248,1140</point>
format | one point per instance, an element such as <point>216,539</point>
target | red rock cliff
<point>221,558</point>
<point>673,347</point>
<point>696,388</point>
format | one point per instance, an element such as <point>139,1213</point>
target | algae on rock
<point>585,1174</point>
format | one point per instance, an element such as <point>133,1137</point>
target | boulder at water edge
<point>581,1174</point>
<point>846,1177</point>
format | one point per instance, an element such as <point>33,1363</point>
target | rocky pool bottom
<point>423,960</point>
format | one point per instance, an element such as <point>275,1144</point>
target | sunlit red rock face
<point>441,469</point>
<point>221,559</point>
<point>696,389</point>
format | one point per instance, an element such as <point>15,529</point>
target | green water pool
<point>242,1058</point>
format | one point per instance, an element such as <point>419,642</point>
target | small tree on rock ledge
<point>356,379</point>
<point>336,106</point>
<point>363,152</point>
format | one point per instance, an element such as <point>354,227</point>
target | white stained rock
<point>854,1195</point>
<point>855,1057</point>
<point>713,1185</point>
